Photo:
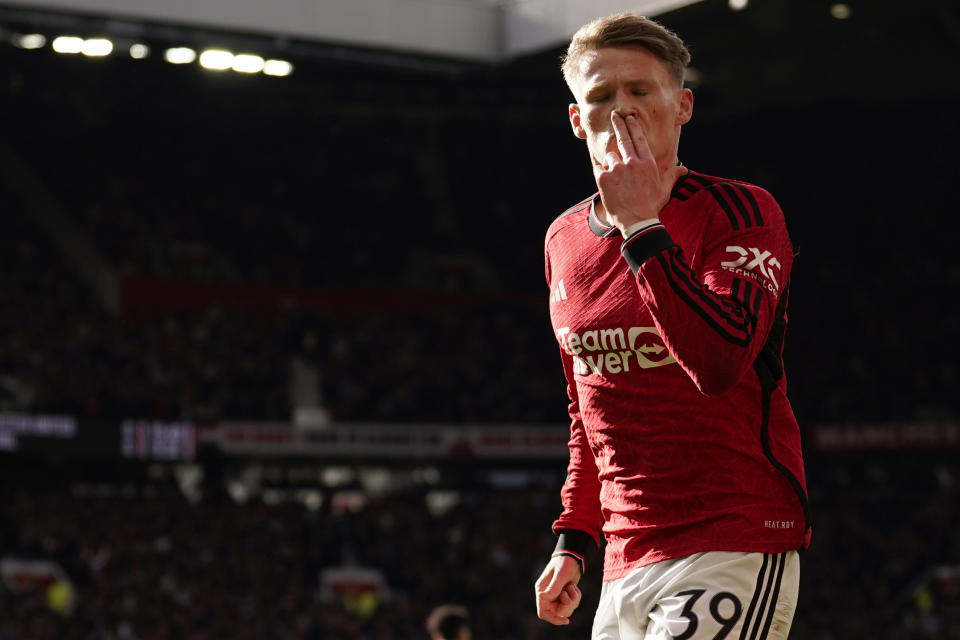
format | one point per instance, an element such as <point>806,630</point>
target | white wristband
<point>637,226</point>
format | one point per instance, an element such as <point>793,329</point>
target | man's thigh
<point>706,596</point>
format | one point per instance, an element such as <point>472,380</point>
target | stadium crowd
<point>431,282</point>
<point>406,280</point>
<point>147,563</point>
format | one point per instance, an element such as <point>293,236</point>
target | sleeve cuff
<point>645,243</point>
<point>638,226</point>
<point>576,542</point>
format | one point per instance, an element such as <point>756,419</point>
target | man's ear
<point>574,112</point>
<point>685,111</point>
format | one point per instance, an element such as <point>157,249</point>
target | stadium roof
<point>481,30</point>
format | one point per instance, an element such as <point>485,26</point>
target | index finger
<point>625,141</point>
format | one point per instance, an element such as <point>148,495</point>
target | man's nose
<point>624,104</point>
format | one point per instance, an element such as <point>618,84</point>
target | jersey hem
<point>623,569</point>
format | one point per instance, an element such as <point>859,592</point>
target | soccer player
<point>668,297</point>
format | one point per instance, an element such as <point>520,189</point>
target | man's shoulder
<point>570,217</point>
<point>742,203</point>
<point>695,182</point>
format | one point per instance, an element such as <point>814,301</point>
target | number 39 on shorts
<point>723,610</point>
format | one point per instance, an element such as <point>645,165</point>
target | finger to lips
<point>637,136</point>
<point>624,139</point>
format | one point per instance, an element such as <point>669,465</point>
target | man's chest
<point>597,312</point>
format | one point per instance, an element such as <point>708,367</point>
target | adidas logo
<point>559,293</point>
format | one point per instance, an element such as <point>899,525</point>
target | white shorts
<point>714,595</point>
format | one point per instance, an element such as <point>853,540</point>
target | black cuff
<point>645,244</point>
<point>579,542</point>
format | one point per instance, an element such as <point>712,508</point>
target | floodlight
<point>840,11</point>
<point>68,44</point>
<point>97,47</point>
<point>180,55</point>
<point>139,51</point>
<point>216,59</point>
<point>30,41</point>
<point>277,68</point>
<point>246,63</point>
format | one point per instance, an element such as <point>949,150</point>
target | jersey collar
<point>600,227</point>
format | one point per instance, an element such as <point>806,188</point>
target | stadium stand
<point>146,562</point>
<point>367,243</point>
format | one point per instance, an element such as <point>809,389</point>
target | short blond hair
<point>626,30</point>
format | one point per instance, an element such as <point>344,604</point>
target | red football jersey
<point>682,438</point>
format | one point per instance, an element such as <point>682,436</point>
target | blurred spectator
<point>449,622</point>
<point>144,562</point>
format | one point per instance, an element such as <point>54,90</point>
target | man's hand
<point>556,590</point>
<point>631,186</point>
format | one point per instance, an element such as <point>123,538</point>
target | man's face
<point>628,80</point>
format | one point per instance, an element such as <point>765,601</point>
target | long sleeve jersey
<point>682,438</point>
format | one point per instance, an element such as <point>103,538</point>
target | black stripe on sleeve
<point>769,368</point>
<point>753,204</point>
<point>703,182</point>
<point>725,310</point>
<point>734,222</point>
<point>755,307</point>
<point>683,295</point>
<point>738,202</point>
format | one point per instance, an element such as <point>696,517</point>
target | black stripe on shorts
<point>765,597</point>
<point>771,573</point>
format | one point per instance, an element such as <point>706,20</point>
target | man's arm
<point>715,321</point>
<point>556,591</point>
<point>578,528</point>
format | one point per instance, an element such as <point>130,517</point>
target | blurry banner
<point>869,436</point>
<point>144,296</point>
<point>170,441</point>
<point>21,575</point>
<point>14,426</point>
<point>159,441</point>
<point>79,438</point>
<point>391,441</point>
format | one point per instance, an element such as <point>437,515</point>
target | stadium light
<point>246,63</point>
<point>30,41</point>
<point>97,47</point>
<point>68,44</point>
<point>139,51</point>
<point>277,68</point>
<point>216,59</point>
<point>737,5</point>
<point>180,55</point>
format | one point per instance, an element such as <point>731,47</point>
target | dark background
<point>381,215</point>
